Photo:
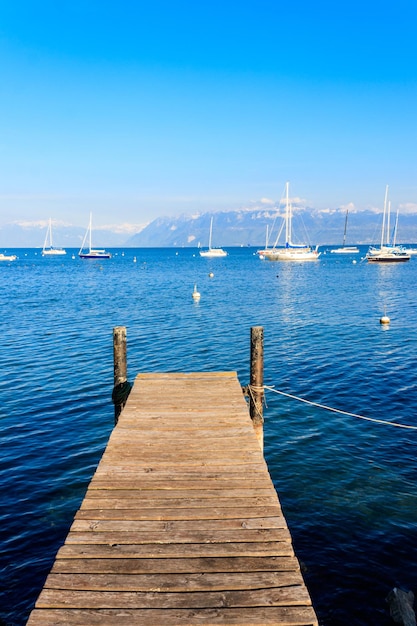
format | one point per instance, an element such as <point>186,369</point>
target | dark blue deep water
<point>348,487</point>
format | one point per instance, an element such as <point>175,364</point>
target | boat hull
<point>53,252</point>
<point>91,255</point>
<point>291,254</point>
<point>8,257</point>
<point>393,258</point>
<point>213,253</point>
<point>346,250</point>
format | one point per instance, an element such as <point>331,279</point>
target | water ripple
<point>348,487</point>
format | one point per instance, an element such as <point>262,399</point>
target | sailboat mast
<point>344,233</point>
<point>48,238</point>
<point>91,223</point>
<point>383,235</point>
<point>394,237</point>
<point>211,228</point>
<point>287,217</point>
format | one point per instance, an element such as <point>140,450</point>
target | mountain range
<point>230,228</point>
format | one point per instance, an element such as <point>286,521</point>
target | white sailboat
<point>291,251</point>
<point>345,249</point>
<point>48,248</point>
<point>212,252</point>
<point>387,252</point>
<point>91,253</point>
<point>7,257</point>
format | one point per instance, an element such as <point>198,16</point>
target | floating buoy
<point>384,319</point>
<point>211,275</point>
<point>354,261</point>
<point>196,294</point>
<point>134,259</point>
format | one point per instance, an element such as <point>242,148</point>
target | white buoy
<point>354,261</point>
<point>196,294</point>
<point>134,259</point>
<point>384,319</point>
<point>211,275</point>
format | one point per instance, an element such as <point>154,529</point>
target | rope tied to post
<point>121,393</point>
<point>250,391</point>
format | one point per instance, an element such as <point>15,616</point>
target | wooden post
<point>121,386</point>
<point>119,354</point>
<point>256,389</point>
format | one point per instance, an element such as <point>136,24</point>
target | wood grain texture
<point>181,524</point>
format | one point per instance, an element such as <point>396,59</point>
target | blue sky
<point>136,109</point>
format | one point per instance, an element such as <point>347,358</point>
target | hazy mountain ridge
<point>17,235</point>
<point>230,228</point>
<point>248,227</point>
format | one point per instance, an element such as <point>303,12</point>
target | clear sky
<point>135,109</point>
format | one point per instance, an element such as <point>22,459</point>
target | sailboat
<point>345,249</point>
<point>92,253</point>
<point>212,252</point>
<point>7,257</point>
<point>48,248</point>
<point>291,251</point>
<point>387,252</point>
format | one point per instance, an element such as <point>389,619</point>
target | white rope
<point>328,408</point>
<point>251,389</point>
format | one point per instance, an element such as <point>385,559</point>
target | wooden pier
<point>181,524</point>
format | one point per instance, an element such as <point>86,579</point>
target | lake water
<point>348,487</point>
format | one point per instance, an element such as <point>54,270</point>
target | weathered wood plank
<point>259,616</point>
<point>98,551</point>
<point>195,458</point>
<point>172,535</point>
<point>174,582</point>
<point>162,599</point>
<point>248,496</point>
<point>174,482</point>
<point>91,519</point>
<point>168,513</point>
<point>153,471</point>
<point>179,565</point>
<point>116,491</point>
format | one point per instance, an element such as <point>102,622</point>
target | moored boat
<point>345,249</point>
<point>291,251</point>
<point>212,252</point>
<point>91,253</point>
<point>48,248</point>
<point>387,252</point>
<point>7,257</point>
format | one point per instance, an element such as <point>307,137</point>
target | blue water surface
<point>348,487</point>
